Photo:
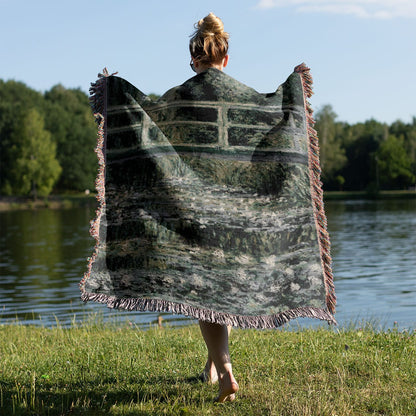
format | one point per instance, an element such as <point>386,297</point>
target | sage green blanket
<point>210,202</point>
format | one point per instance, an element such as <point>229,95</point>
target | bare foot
<point>228,388</point>
<point>209,375</point>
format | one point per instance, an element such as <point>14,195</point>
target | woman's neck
<point>201,67</point>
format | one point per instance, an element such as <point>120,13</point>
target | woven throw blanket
<point>210,202</point>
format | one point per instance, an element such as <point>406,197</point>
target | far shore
<point>65,201</point>
<point>343,195</point>
<point>61,201</point>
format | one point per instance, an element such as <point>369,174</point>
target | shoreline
<point>66,201</point>
<point>345,195</point>
<point>61,201</point>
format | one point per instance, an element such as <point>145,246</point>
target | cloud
<point>368,9</point>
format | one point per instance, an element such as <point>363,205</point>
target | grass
<point>108,369</point>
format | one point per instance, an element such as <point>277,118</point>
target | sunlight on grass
<point>118,369</point>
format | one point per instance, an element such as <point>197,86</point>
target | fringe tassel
<point>98,102</point>
<point>316,189</point>
<point>97,92</point>
<point>258,322</point>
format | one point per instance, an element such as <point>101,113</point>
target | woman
<point>211,203</point>
<point>209,49</point>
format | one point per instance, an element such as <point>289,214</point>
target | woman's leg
<point>210,372</point>
<point>216,339</point>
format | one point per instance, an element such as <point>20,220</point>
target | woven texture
<point>210,202</point>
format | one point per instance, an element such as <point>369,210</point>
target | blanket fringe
<point>258,322</point>
<point>316,189</point>
<point>98,105</point>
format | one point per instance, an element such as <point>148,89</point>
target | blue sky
<point>361,52</point>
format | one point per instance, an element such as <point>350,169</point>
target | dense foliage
<point>47,140</point>
<point>47,143</point>
<point>366,156</point>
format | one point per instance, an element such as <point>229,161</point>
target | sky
<point>361,52</point>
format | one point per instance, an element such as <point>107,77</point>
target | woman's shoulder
<point>213,85</point>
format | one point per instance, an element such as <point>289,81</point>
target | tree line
<point>47,140</point>
<point>47,143</point>
<point>369,156</point>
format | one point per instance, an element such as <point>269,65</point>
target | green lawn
<point>109,369</point>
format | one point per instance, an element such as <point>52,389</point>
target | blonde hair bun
<point>211,25</point>
<point>209,42</point>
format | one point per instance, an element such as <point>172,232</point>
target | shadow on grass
<point>99,396</point>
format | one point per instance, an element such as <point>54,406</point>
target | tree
<point>71,122</point>
<point>363,140</point>
<point>15,92</point>
<point>14,98</point>
<point>8,113</point>
<point>394,164</point>
<point>408,133</point>
<point>35,168</point>
<point>153,96</point>
<point>332,154</point>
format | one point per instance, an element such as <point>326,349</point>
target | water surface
<point>43,257</point>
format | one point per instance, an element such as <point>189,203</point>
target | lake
<point>43,257</point>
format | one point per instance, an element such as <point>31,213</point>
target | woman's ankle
<point>227,387</point>
<point>210,372</point>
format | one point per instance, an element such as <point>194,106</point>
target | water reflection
<point>43,257</point>
<point>375,260</point>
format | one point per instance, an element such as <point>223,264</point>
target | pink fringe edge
<point>208,315</point>
<point>98,101</point>
<point>316,189</point>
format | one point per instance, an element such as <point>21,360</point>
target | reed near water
<point>117,369</point>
